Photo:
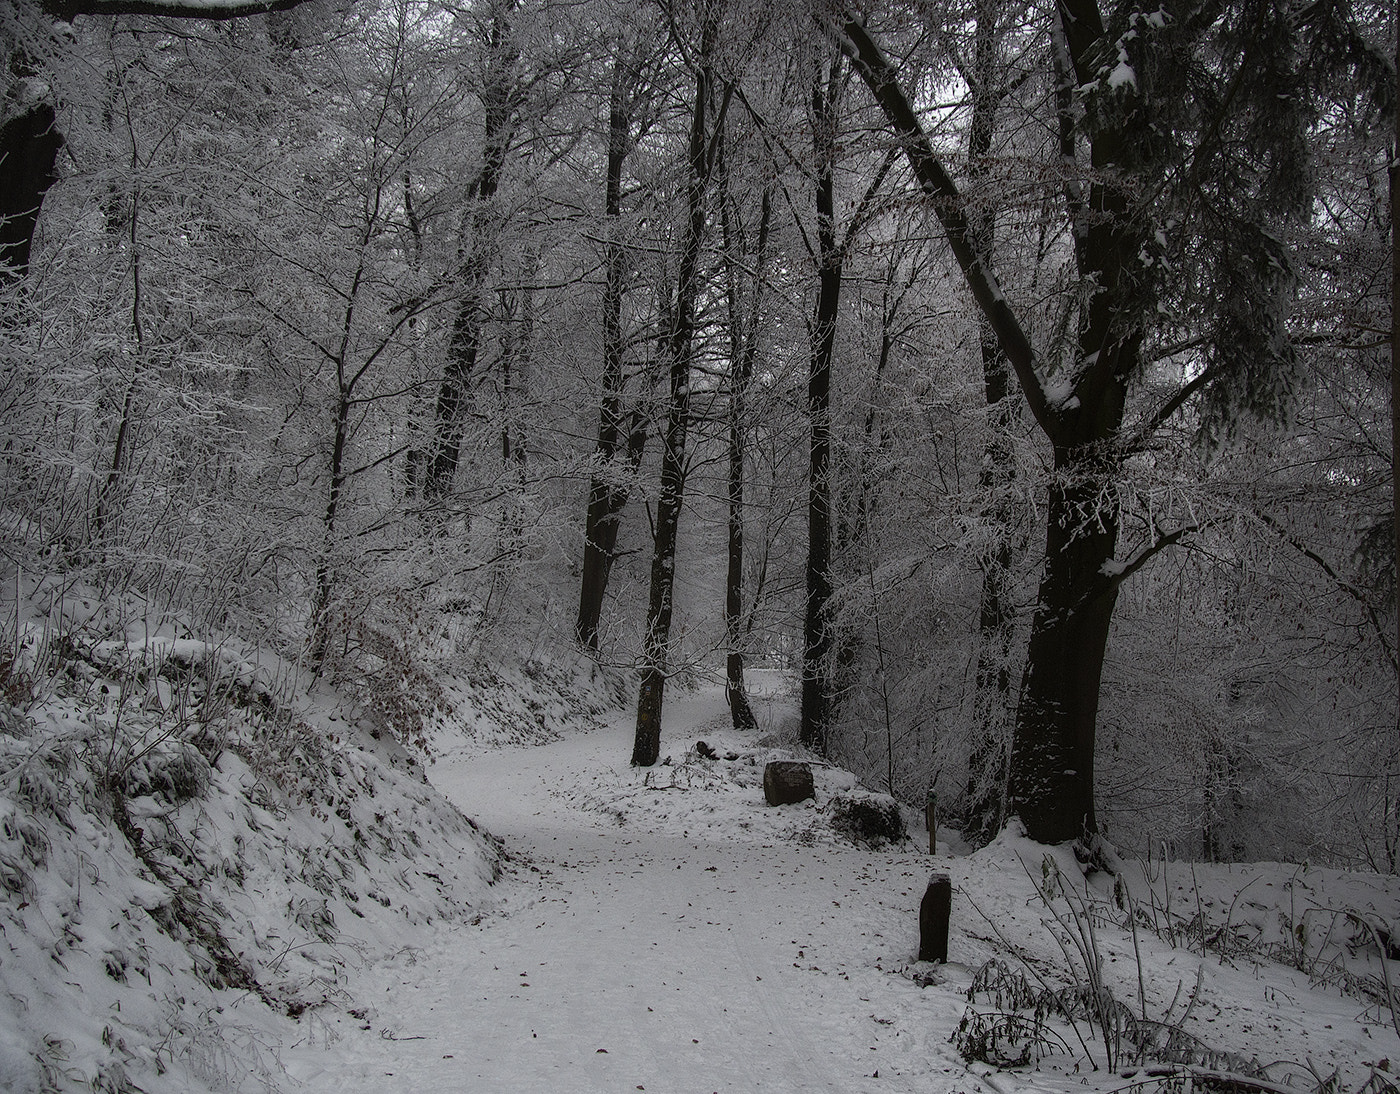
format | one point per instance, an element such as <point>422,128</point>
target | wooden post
<point>931,819</point>
<point>934,913</point>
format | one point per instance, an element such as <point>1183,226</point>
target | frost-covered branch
<point>1113,573</point>
<point>1382,631</point>
<point>173,9</point>
<point>933,178</point>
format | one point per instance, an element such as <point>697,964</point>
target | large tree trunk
<point>619,449</point>
<point>29,146</point>
<point>1051,776</point>
<point>1052,766</point>
<point>816,626</point>
<point>656,652</point>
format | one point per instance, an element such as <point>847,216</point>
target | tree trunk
<point>816,626</point>
<point>607,488</point>
<point>1395,352</point>
<point>987,759</point>
<point>1052,765</point>
<point>740,711</point>
<point>29,147</point>
<point>656,652</point>
<point>325,565</point>
<point>993,703</point>
<point>743,349</point>
<point>107,496</point>
<point>1051,776</point>
<point>499,97</point>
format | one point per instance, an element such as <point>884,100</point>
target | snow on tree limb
<point>879,75</point>
<point>173,9</point>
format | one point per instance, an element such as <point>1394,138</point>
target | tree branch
<point>1109,580</point>
<point>948,205</point>
<point>1338,580</point>
<point>171,9</point>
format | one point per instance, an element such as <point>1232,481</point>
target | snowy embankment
<point>198,847</point>
<point>664,930</point>
<point>213,877</point>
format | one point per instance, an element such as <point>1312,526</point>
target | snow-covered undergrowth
<point>691,791</point>
<point>196,841</point>
<point>488,706</point>
<point>1063,975</point>
<point>1269,973</point>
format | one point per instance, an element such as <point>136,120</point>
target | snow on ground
<point>195,844</point>
<point>664,930</point>
<point>216,875</point>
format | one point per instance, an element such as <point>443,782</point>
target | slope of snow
<point>193,849</point>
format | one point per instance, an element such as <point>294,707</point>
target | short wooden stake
<point>931,819</point>
<point>934,913</point>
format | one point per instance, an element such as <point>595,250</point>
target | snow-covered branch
<point>173,9</point>
<point>933,178</point>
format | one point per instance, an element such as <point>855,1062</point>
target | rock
<point>787,781</point>
<point>870,819</point>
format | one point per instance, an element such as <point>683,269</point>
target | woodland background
<point>385,336</point>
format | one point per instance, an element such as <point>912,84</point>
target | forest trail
<point>626,955</point>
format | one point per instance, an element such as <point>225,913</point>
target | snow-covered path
<point>630,956</point>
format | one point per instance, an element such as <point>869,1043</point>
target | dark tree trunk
<point>29,147</point>
<point>741,712</point>
<point>993,703</point>
<point>743,348</point>
<point>499,99</point>
<point>1052,765</point>
<point>1052,761</point>
<point>346,377</point>
<point>108,495</point>
<point>816,627</point>
<point>1395,351</point>
<point>1051,774</point>
<point>325,565</point>
<point>656,652</point>
<point>619,449</point>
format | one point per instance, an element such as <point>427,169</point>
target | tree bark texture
<point>660,601</point>
<point>29,147</point>
<point>619,447</point>
<point>500,101</point>
<point>816,626</point>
